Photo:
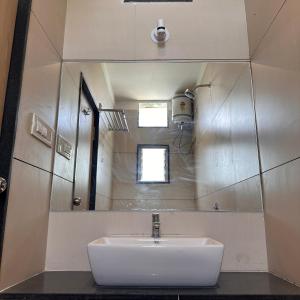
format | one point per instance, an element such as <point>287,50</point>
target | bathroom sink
<point>170,261</point>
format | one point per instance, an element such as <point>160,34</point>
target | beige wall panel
<point>61,196</point>
<point>105,165</point>
<point>99,29</point>
<point>212,29</point>
<point>26,224</point>
<point>52,16</point>
<point>276,77</point>
<point>242,233</point>
<point>67,123</point>
<point>276,73</point>
<point>96,77</point>
<point>244,196</point>
<point>28,206</point>
<point>39,95</point>
<point>155,204</point>
<point>222,77</point>
<point>260,15</point>
<point>226,153</point>
<point>282,210</point>
<point>8,10</point>
<point>103,202</point>
<point>206,29</point>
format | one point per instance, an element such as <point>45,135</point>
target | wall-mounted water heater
<point>182,109</point>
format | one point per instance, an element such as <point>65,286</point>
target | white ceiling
<point>152,81</point>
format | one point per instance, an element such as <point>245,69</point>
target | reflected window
<point>153,114</point>
<point>153,164</point>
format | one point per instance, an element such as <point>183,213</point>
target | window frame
<point>154,101</point>
<point>138,162</point>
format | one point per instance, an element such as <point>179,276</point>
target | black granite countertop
<point>81,286</point>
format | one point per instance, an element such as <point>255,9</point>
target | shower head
<point>188,93</point>
<point>191,93</point>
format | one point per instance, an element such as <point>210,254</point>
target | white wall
<point>109,29</point>
<point>243,235</point>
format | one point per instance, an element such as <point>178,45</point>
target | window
<point>153,114</point>
<point>153,164</point>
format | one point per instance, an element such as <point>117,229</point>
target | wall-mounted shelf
<point>115,119</point>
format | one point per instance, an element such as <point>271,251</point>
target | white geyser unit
<point>182,109</point>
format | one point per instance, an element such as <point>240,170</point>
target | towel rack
<point>114,119</point>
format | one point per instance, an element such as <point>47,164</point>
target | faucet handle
<point>155,217</point>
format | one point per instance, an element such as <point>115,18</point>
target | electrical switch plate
<point>42,131</point>
<point>63,147</point>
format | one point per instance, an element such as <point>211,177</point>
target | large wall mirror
<point>156,136</point>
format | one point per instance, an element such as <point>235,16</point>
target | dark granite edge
<point>80,285</point>
<point>87,297</point>
<point>146,297</point>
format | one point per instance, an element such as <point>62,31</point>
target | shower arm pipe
<point>201,86</point>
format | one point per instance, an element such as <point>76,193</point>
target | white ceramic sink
<point>136,261</point>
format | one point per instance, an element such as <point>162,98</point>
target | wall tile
<point>108,31</point>
<point>67,123</point>
<point>226,152</point>
<point>242,233</point>
<point>154,204</point>
<point>105,166</point>
<point>276,66</point>
<point>222,77</point>
<point>276,74</point>
<point>26,224</point>
<point>282,210</point>
<point>202,29</point>
<point>62,193</point>
<point>103,202</point>
<point>260,15</point>
<point>51,14</point>
<point>244,196</point>
<point>39,95</point>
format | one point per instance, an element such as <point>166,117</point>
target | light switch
<point>63,147</point>
<point>42,131</point>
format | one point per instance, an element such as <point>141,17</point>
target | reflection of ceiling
<point>152,81</point>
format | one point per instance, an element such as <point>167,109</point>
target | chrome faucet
<point>155,226</point>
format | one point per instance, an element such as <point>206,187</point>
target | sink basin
<point>136,261</point>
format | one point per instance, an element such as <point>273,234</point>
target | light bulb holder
<point>160,33</point>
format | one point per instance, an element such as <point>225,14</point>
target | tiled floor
<point>80,285</point>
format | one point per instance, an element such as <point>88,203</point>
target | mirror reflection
<point>156,136</point>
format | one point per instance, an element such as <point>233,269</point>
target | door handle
<point>3,185</point>
<point>77,201</point>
